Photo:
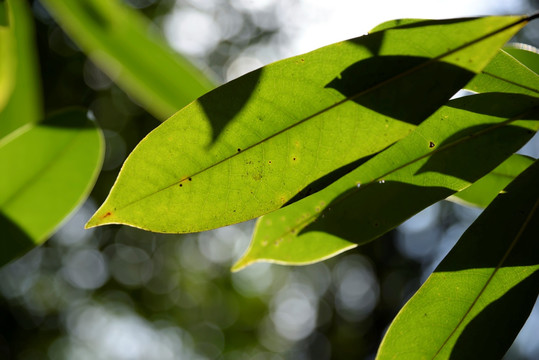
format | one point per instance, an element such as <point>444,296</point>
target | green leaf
<point>124,44</point>
<point>478,298</point>
<point>7,54</point>
<point>456,146</point>
<point>483,191</point>
<point>526,54</point>
<point>291,128</point>
<point>506,74</point>
<point>20,101</point>
<point>46,170</point>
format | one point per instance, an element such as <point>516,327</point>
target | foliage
<point>332,149</point>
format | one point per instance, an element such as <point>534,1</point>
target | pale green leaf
<point>455,147</point>
<point>46,170</point>
<point>283,131</point>
<point>127,47</point>
<point>21,104</point>
<point>478,298</point>
<point>483,191</point>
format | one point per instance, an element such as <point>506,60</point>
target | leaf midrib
<point>353,190</point>
<point>353,97</point>
<point>43,169</point>
<point>487,283</point>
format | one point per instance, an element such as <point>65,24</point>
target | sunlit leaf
<point>46,170</point>
<point>456,146</point>
<point>483,191</point>
<point>478,298</point>
<point>20,101</point>
<point>526,54</point>
<point>124,44</point>
<point>7,53</point>
<point>282,132</point>
<point>506,74</point>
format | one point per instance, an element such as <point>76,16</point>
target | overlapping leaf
<point>20,97</point>
<point>507,74</point>
<point>282,132</point>
<point>526,54</point>
<point>478,298</point>
<point>456,146</point>
<point>46,170</point>
<point>484,190</point>
<point>123,44</point>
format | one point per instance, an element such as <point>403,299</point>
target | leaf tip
<point>99,218</point>
<point>241,264</point>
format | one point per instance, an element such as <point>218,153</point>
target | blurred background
<point>116,292</point>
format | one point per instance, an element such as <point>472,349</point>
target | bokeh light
<point>123,293</point>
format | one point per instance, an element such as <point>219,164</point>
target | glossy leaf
<point>284,131</point>
<point>478,298</point>
<point>22,104</point>
<point>483,191</point>
<point>46,170</point>
<point>455,147</point>
<point>124,44</point>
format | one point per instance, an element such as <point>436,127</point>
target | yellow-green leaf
<point>281,132</point>
<point>483,191</point>
<point>506,74</point>
<point>46,170</point>
<point>455,147</point>
<point>20,92</point>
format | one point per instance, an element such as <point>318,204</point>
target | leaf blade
<point>21,103</point>
<point>483,191</point>
<point>344,214</point>
<point>122,43</point>
<point>47,170</point>
<point>506,74</point>
<point>489,277</point>
<point>157,195</point>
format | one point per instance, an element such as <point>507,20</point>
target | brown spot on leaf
<point>106,215</point>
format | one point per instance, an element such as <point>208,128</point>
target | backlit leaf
<point>478,298</point>
<point>526,54</point>
<point>484,190</point>
<point>456,146</point>
<point>289,129</point>
<point>20,102</point>
<point>506,74</point>
<point>46,170</point>
<point>124,44</point>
